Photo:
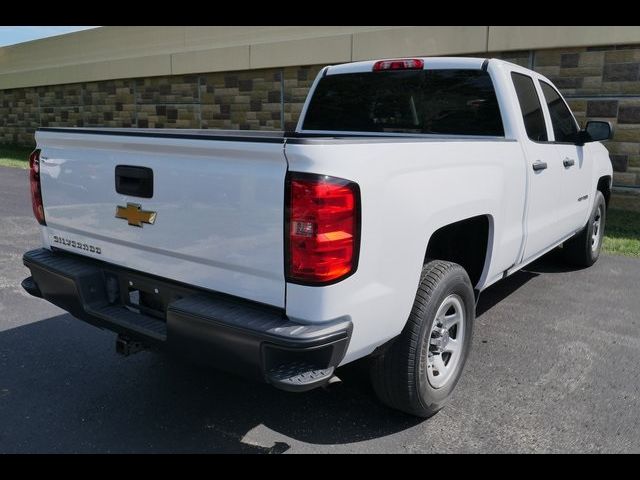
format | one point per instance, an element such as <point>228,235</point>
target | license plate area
<point>145,302</point>
<point>140,294</point>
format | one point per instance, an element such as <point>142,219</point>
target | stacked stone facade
<point>598,83</point>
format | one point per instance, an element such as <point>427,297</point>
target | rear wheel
<point>419,370</point>
<point>583,249</point>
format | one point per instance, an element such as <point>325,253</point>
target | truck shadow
<point>501,290</point>
<point>64,389</point>
<point>552,262</point>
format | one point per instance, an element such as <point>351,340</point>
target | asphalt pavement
<point>554,367</point>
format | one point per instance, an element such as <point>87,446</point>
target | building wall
<point>265,99</point>
<point>110,53</point>
<point>599,82</point>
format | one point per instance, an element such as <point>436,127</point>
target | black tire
<point>578,249</point>
<point>399,375</point>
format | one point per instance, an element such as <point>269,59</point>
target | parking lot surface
<point>554,367</point>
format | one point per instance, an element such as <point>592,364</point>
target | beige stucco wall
<point>127,52</point>
<point>505,38</point>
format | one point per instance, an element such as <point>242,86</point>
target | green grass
<point>622,233</point>
<point>14,156</point>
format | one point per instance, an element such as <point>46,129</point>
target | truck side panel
<point>409,190</point>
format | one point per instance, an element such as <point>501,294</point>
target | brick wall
<point>598,82</point>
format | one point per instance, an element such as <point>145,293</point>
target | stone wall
<point>598,83</point>
<point>269,99</point>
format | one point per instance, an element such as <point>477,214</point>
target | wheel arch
<point>604,186</point>
<point>467,242</point>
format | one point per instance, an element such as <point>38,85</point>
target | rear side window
<point>564,125</point>
<point>530,107</point>
<point>455,102</point>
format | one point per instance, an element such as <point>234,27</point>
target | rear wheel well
<point>464,242</point>
<point>604,185</point>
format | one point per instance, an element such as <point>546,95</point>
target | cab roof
<point>430,63</point>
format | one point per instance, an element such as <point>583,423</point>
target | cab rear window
<point>452,102</point>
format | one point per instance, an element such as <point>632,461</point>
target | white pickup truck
<point>408,187</point>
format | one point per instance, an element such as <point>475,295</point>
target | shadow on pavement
<point>552,262</point>
<point>501,290</point>
<point>63,389</point>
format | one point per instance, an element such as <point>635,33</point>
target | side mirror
<point>595,131</point>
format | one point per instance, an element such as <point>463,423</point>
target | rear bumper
<point>243,337</point>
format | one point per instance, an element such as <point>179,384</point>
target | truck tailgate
<point>218,204</point>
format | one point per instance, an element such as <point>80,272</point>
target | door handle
<point>568,162</point>
<point>538,165</point>
<point>135,181</point>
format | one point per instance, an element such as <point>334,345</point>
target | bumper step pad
<point>299,376</point>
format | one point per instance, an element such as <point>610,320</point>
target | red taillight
<point>36,192</point>
<point>323,223</point>
<point>399,64</point>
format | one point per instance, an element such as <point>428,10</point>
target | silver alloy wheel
<point>446,339</point>
<point>596,228</point>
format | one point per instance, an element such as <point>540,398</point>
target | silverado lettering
<point>76,244</point>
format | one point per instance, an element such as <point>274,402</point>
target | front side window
<point>530,107</point>
<point>454,102</point>
<point>564,125</point>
